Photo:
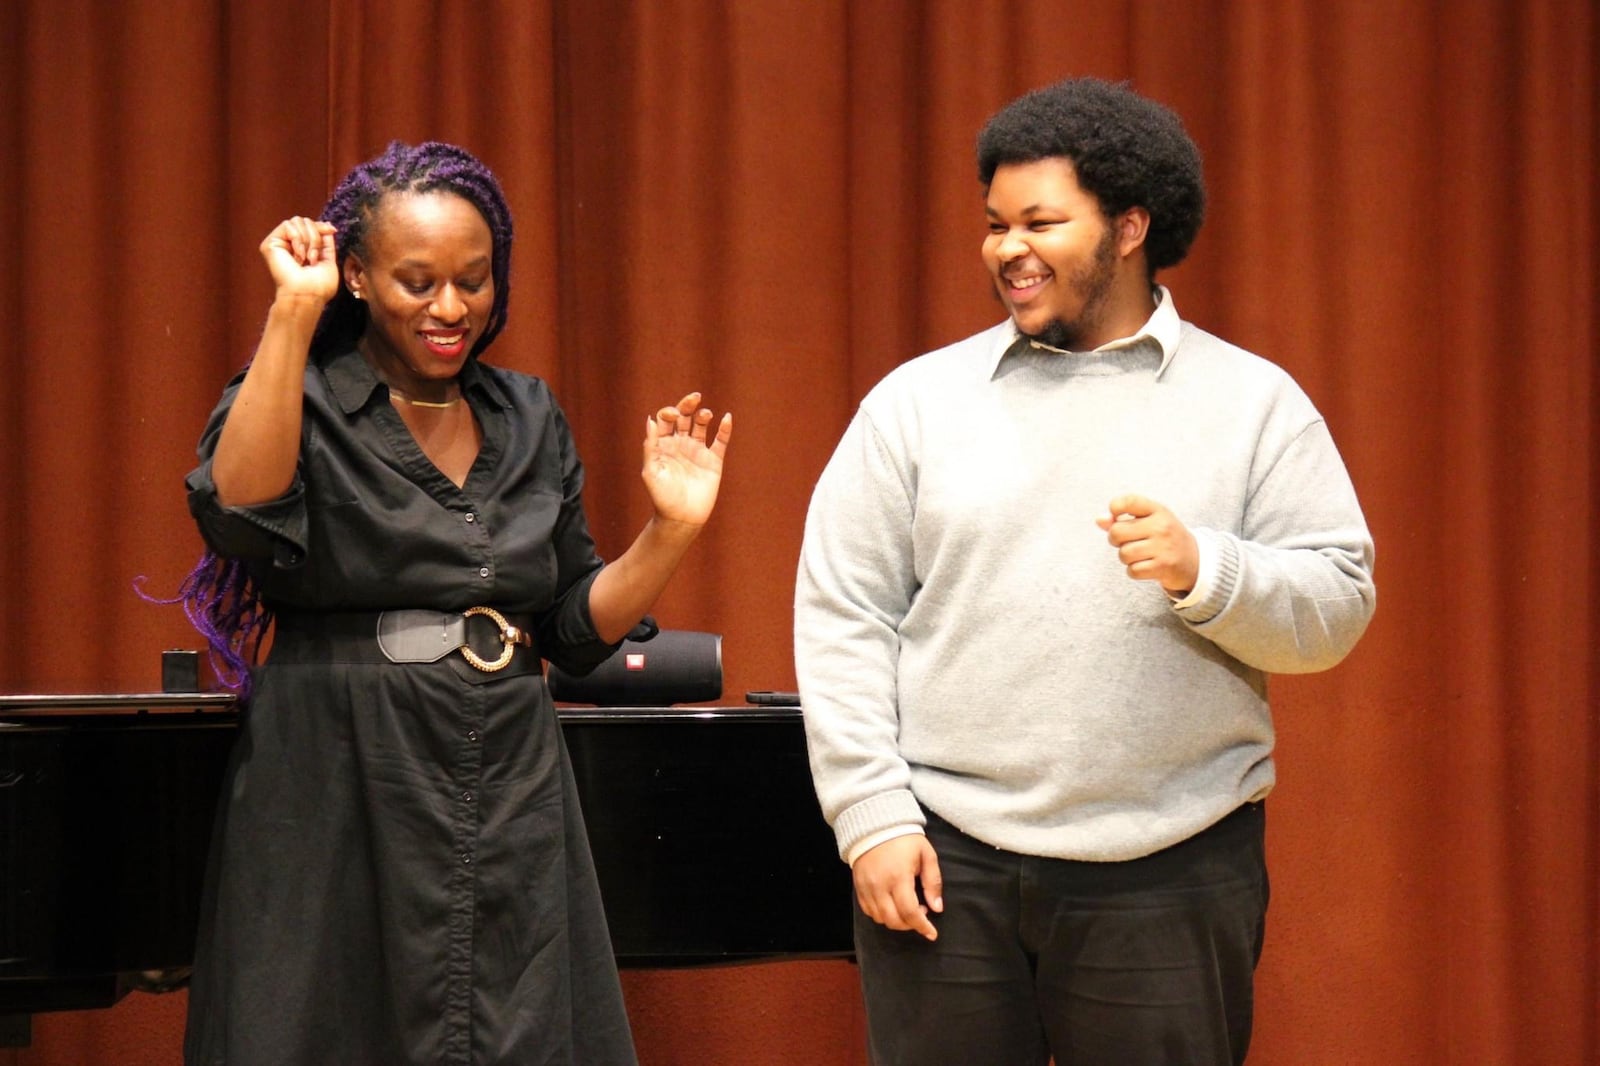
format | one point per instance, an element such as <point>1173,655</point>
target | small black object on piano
<point>180,670</point>
<point>766,698</point>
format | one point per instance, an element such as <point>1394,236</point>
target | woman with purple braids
<point>400,872</point>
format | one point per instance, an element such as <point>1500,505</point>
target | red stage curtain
<point>775,202</point>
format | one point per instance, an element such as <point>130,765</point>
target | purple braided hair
<point>219,597</point>
<point>222,603</point>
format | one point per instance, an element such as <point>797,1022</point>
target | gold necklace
<point>423,403</point>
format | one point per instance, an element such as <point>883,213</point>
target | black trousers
<point>1148,962</point>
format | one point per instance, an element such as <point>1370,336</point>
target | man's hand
<point>1152,543</point>
<point>886,884</point>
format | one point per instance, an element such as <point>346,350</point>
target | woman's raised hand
<point>683,462</point>
<point>301,257</point>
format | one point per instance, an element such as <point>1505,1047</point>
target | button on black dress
<point>400,872</point>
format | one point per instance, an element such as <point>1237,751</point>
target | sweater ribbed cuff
<point>882,836</point>
<point>875,813</point>
<point>1221,554</point>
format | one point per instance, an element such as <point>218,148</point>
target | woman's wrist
<point>673,530</point>
<point>297,306</point>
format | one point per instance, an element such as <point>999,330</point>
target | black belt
<point>486,638</point>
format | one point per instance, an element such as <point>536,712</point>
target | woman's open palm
<point>683,462</point>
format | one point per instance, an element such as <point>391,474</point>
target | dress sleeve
<point>567,634</point>
<point>273,532</point>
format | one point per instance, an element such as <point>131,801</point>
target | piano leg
<point>16,1030</point>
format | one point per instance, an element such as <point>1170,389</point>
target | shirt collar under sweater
<point>1163,327</point>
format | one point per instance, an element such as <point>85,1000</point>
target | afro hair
<point>1126,150</point>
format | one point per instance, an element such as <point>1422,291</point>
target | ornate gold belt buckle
<point>510,636</point>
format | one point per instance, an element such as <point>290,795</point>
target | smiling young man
<point>1044,577</point>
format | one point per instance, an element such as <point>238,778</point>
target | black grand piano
<point>706,834</point>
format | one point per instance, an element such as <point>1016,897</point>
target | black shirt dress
<point>400,872</point>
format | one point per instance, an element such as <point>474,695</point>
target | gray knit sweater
<point>966,639</point>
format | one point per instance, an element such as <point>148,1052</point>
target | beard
<point>1092,284</point>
